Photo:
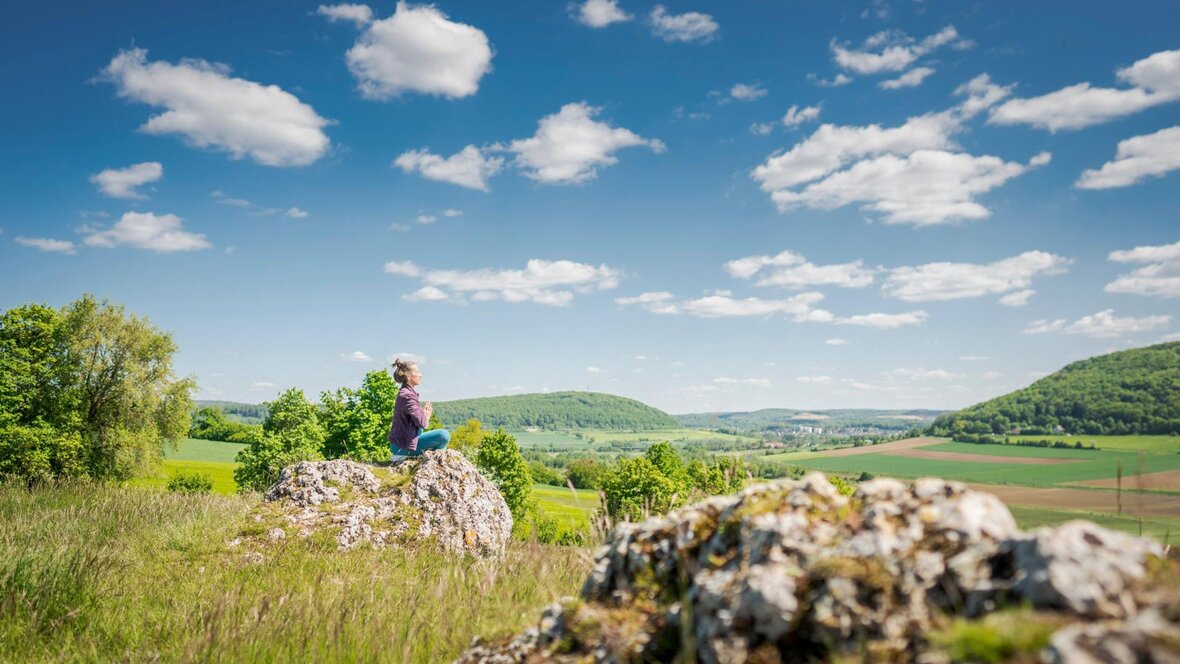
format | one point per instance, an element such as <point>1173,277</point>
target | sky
<point>702,205</point>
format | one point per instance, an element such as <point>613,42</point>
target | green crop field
<point>571,507</point>
<point>1150,444</point>
<point>195,449</point>
<point>1088,465</point>
<point>1166,531</point>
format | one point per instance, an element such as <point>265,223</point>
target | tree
<point>635,488</point>
<point>89,388</point>
<point>291,433</point>
<point>664,458</point>
<point>467,438</point>
<point>357,421</point>
<point>584,473</point>
<point>500,459</point>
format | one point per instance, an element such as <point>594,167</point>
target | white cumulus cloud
<point>911,79</point>
<point>296,213</point>
<point>419,49</point>
<point>356,356</point>
<point>601,13</point>
<point>1154,80</point>
<point>657,302</point>
<point>469,167</point>
<point>686,27</point>
<point>1138,157</point>
<point>796,116</point>
<point>791,270</point>
<point>883,321</point>
<point>163,233</point>
<point>1160,277</point>
<point>1017,299</point>
<point>121,182</point>
<point>891,50</point>
<point>836,341</point>
<point>953,281</point>
<point>570,146</point>
<point>46,244</point>
<point>541,281</point>
<point>358,14</point>
<point>1102,325</point>
<point>211,109</point>
<point>747,92</point>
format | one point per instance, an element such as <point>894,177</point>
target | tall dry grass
<point>89,572</point>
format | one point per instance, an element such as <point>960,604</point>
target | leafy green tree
<point>211,423</point>
<point>584,473</point>
<point>93,389</point>
<point>291,433</point>
<point>467,438</point>
<point>543,474</point>
<point>664,458</point>
<point>635,489</point>
<point>500,459</point>
<point>357,421</point>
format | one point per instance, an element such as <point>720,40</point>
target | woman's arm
<point>411,406</point>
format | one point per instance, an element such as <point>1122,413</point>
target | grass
<point>98,573</point>
<point>571,507</point>
<point>220,472</point>
<point>195,449</point>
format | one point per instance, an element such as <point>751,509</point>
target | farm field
<point>572,508</point>
<point>990,464</point>
<point>1149,444</point>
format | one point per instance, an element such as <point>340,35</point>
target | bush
<point>183,482</point>
<point>500,459</point>
<point>584,473</point>
<point>635,489</point>
<point>291,433</point>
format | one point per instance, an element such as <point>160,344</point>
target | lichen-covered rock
<point>796,571</point>
<point>438,497</point>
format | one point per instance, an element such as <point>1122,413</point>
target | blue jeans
<point>429,440</point>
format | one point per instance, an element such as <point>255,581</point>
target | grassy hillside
<point>774,418</point>
<point>557,410</point>
<point>1134,391</point>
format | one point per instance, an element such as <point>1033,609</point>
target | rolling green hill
<point>1133,391</point>
<point>777,418</point>
<point>556,410</point>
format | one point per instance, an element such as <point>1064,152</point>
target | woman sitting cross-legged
<point>406,435</point>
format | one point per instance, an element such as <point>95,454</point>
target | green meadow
<point>101,573</point>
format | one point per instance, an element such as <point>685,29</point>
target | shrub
<point>500,459</point>
<point>183,482</point>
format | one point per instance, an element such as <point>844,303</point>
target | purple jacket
<point>408,420</point>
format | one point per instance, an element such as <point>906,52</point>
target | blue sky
<point>702,205</point>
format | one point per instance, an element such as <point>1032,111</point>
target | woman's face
<point>414,377</point>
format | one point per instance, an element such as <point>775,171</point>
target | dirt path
<point>1168,480</point>
<point>917,453</point>
<point>1135,504</point>
<point>907,444</point>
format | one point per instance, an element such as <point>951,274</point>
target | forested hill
<point>556,410</point>
<point>1131,391</point>
<point>251,413</point>
<point>780,418</point>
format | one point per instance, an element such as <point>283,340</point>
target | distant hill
<point>1133,391</point>
<point>556,410</point>
<point>778,418</point>
<point>248,413</point>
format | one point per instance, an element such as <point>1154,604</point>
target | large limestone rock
<point>796,571</point>
<point>438,497</point>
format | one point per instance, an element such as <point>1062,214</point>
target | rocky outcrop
<point>439,497</point>
<point>796,572</point>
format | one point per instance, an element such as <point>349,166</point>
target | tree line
<point>558,410</point>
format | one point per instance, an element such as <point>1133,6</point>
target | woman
<point>406,437</point>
